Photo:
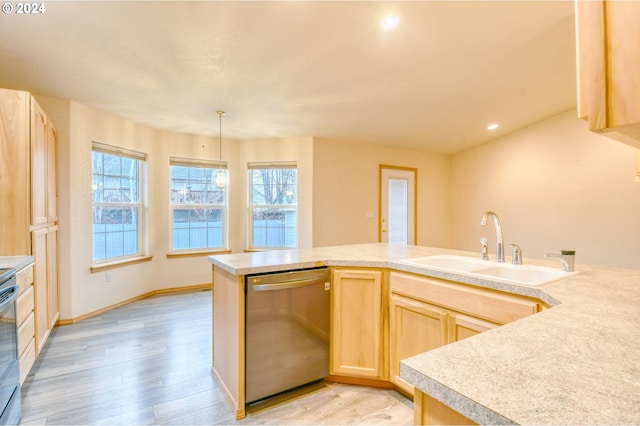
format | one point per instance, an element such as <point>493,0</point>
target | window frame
<point>251,166</point>
<point>206,164</point>
<point>140,205</point>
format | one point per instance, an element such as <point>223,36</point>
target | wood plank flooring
<point>149,363</point>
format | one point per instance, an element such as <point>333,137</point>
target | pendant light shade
<point>221,175</point>
<point>221,179</point>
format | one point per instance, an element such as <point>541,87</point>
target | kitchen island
<point>577,362</point>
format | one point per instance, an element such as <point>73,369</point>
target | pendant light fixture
<point>221,175</point>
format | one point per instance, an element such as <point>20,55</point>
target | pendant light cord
<point>220,114</point>
<point>221,176</point>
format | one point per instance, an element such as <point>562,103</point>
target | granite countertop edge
<point>462,404</point>
<point>16,262</point>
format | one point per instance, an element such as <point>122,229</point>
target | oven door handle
<point>15,288</point>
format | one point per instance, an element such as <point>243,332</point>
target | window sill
<point>253,250</point>
<point>181,254</point>
<point>120,263</point>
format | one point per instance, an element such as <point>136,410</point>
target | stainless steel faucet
<point>567,257</point>
<point>499,239</point>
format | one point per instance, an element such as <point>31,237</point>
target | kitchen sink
<point>524,274</point>
<point>447,262</point>
<point>490,270</point>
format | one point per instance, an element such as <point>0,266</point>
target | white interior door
<point>397,205</point>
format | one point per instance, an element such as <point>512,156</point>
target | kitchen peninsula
<point>575,362</point>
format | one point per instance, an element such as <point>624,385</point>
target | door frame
<point>382,167</point>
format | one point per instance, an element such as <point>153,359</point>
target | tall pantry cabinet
<point>28,193</point>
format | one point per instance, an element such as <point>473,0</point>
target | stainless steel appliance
<point>10,405</point>
<point>287,331</point>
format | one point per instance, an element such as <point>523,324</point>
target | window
<point>198,206</point>
<point>117,205</point>
<point>273,199</point>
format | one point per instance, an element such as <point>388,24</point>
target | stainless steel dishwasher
<point>287,331</point>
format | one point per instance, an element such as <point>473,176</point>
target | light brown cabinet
<point>462,326</point>
<point>44,194</point>
<point>415,327</point>
<point>28,223</point>
<point>379,318</point>
<point>45,242</point>
<point>52,174</point>
<point>25,320</point>
<point>608,58</point>
<point>228,337</point>
<point>493,306</point>
<point>430,411</point>
<point>358,345</point>
<point>15,181</point>
<point>39,135</point>
<point>53,288</point>
<point>428,312</point>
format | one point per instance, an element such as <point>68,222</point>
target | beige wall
<point>554,185</point>
<point>346,193</point>
<point>83,292</point>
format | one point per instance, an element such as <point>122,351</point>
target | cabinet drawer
<point>24,305</point>
<point>498,307</point>
<point>27,359</point>
<point>24,278</point>
<point>26,333</point>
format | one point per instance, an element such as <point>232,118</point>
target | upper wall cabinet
<point>608,44</point>
<point>15,182</point>
<point>44,208</point>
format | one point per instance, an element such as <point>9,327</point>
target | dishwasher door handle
<point>287,284</point>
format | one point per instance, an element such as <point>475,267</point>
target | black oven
<point>9,370</point>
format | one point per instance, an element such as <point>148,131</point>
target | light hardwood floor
<point>149,363</point>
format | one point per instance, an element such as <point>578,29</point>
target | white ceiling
<point>303,68</point>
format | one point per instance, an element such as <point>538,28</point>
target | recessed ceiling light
<point>493,126</point>
<point>390,22</point>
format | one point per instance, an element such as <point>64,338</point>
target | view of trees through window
<point>274,198</point>
<point>116,205</point>
<point>197,208</point>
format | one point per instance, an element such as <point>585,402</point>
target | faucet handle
<point>485,248</point>
<point>516,253</point>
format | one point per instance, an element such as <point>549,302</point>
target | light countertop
<point>17,262</point>
<point>575,363</point>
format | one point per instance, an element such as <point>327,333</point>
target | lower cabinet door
<point>26,360</point>
<point>40,284</point>
<point>463,326</point>
<point>357,325</point>
<point>416,327</point>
